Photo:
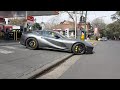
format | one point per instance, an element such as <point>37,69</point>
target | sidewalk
<point>9,42</point>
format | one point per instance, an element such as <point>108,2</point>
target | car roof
<point>42,30</point>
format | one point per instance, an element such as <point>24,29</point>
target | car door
<point>53,40</point>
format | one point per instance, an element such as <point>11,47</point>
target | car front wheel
<point>78,48</point>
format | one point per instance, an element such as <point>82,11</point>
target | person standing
<point>83,36</point>
<point>7,34</point>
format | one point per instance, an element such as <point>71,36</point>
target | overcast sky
<point>105,15</point>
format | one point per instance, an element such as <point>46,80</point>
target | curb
<point>35,73</point>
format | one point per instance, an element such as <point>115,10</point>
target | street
<point>103,64</point>
<point>17,60</point>
<point>63,30</point>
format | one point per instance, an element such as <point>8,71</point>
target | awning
<point>8,14</point>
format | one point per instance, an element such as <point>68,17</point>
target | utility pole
<point>26,18</point>
<point>75,24</point>
<point>85,19</point>
<point>85,23</point>
<point>25,26</point>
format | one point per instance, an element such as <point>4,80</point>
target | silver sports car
<point>49,39</point>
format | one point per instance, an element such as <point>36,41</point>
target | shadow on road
<point>53,50</point>
<point>88,53</point>
<point>44,49</point>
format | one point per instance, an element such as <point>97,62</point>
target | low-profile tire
<point>78,49</point>
<point>31,43</point>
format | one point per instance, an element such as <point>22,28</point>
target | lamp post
<point>25,26</point>
<point>75,25</point>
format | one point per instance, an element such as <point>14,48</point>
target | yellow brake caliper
<point>76,48</point>
<point>34,44</point>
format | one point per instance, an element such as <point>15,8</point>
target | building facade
<point>68,28</point>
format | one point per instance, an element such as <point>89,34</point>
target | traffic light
<point>67,32</point>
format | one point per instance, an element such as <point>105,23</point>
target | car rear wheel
<point>31,43</point>
<point>78,49</point>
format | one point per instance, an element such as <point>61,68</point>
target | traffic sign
<point>30,18</point>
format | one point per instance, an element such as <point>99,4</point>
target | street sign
<point>30,21</point>
<point>16,27</point>
<point>30,18</point>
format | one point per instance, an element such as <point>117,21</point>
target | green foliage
<point>19,22</point>
<point>92,37</point>
<point>116,16</point>
<point>36,26</point>
<point>113,30</point>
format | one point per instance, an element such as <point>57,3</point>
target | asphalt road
<point>16,60</point>
<point>103,64</point>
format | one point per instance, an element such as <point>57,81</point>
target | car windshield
<point>62,36</point>
<point>42,31</point>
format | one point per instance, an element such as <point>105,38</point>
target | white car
<point>100,39</point>
<point>103,39</point>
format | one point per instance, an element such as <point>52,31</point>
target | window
<point>51,34</point>
<point>40,32</point>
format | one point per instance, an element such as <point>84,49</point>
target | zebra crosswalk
<point>6,51</point>
<point>11,49</point>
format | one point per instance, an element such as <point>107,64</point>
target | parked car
<point>52,40</point>
<point>103,39</point>
<point>100,39</point>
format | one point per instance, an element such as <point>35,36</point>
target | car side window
<point>40,32</point>
<point>51,34</point>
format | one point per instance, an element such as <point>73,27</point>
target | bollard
<point>16,35</point>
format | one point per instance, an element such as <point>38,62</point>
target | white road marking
<point>12,47</point>
<point>9,47</point>
<point>57,72</point>
<point>5,51</point>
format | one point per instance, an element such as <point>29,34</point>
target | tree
<point>100,24</point>
<point>19,22</point>
<point>80,15</point>
<point>116,16</point>
<point>113,30</point>
<point>36,26</point>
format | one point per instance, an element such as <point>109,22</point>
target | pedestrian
<point>7,34</point>
<point>82,36</point>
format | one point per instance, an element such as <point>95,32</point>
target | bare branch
<point>70,16</point>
